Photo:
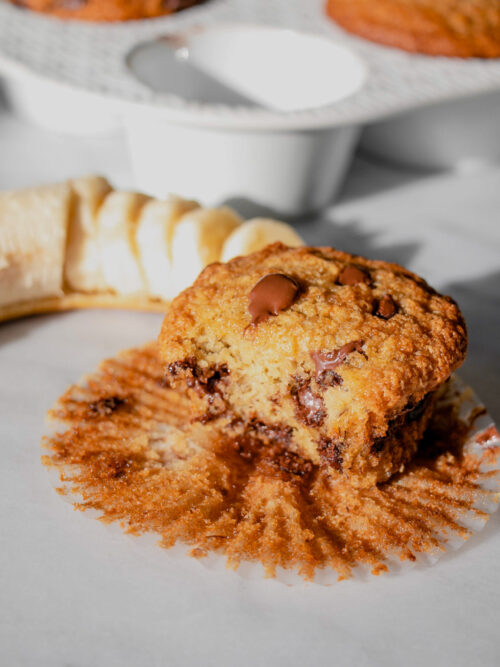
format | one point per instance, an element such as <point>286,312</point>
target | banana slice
<point>82,269</point>
<point>255,234</point>
<point>198,241</point>
<point>119,256</point>
<point>155,230</point>
<point>33,231</point>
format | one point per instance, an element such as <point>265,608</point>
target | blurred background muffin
<point>460,28</point>
<point>106,10</point>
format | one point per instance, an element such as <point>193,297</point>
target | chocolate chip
<point>177,367</point>
<point>415,412</point>
<point>378,445</point>
<point>410,413</point>
<point>104,407</point>
<point>328,361</point>
<point>204,381</point>
<point>386,307</point>
<point>272,294</point>
<point>330,453</point>
<point>352,275</point>
<point>309,407</point>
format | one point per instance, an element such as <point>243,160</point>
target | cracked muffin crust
<point>332,354</point>
<point>460,28</point>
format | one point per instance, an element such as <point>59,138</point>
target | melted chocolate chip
<point>328,361</point>
<point>413,412</point>
<point>105,407</point>
<point>386,307</point>
<point>330,453</point>
<point>352,275</point>
<point>309,407</point>
<point>272,294</point>
<point>410,413</point>
<point>177,367</point>
<point>204,381</point>
<point>252,449</point>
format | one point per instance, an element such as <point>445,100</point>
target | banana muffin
<point>460,28</point>
<point>106,10</point>
<point>332,355</point>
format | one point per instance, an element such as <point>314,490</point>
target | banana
<point>33,231</point>
<point>197,241</point>
<point>83,269</point>
<point>155,230</point>
<point>119,256</point>
<point>81,240</point>
<point>255,234</point>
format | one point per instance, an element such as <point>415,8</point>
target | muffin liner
<point>119,448</point>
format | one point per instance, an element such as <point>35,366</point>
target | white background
<point>76,593</point>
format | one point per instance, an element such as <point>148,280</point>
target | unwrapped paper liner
<point>140,371</point>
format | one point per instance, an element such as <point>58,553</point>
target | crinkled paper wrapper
<point>119,448</point>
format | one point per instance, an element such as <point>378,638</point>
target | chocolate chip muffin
<point>335,356</point>
<point>106,10</point>
<point>460,28</point>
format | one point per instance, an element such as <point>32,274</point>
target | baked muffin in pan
<point>459,28</point>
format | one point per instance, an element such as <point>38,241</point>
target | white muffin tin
<point>303,88</point>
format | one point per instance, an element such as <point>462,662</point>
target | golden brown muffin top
<point>369,338</point>
<point>460,28</point>
<point>106,10</point>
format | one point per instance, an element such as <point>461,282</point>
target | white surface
<point>434,137</point>
<point>261,114</point>
<point>92,57</point>
<point>287,172</point>
<point>75,592</point>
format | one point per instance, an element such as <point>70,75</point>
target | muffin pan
<point>101,75</point>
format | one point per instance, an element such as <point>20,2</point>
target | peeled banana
<point>119,254</point>
<point>83,268</point>
<point>155,230</point>
<point>33,228</point>
<point>198,241</point>
<point>82,244</point>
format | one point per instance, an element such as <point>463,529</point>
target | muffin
<point>334,356</point>
<point>457,28</point>
<point>106,10</point>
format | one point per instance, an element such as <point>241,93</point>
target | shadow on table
<point>350,237</point>
<point>371,175</point>
<point>366,176</point>
<point>479,301</point>
<point>11,331</point>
